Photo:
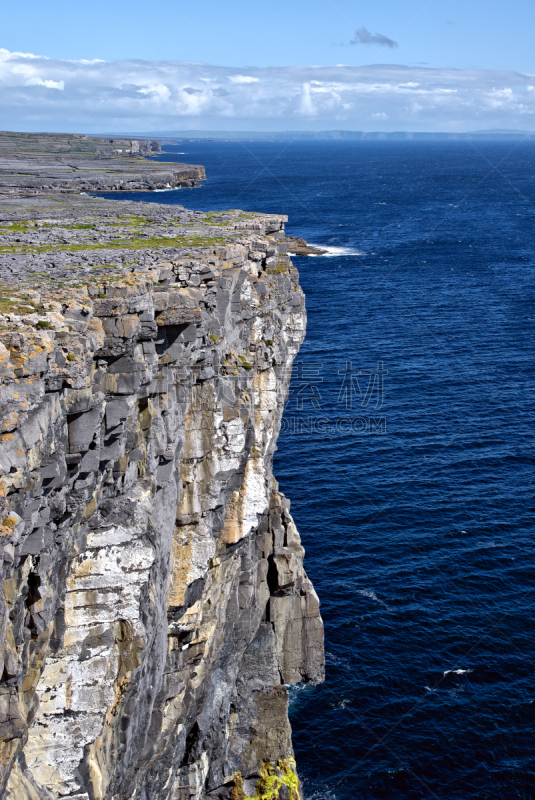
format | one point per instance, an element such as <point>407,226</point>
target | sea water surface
<point>408,454</point>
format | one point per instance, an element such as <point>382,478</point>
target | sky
<point>385,65</point>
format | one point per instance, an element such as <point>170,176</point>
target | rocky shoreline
<point>154,602</point>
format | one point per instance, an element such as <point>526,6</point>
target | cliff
<point>154,599</point>
<point>38,163</point>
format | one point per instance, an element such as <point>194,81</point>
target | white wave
<point>322,794</point>
<point>295,690</point>
<point>342,704</point>
<point>372,596</point>
<point>368,593</point>
<point>457,671</point>
<point>334,251</point>
<point>168,189</point>
<point>331,658</point>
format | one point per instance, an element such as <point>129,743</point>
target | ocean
<point>407,450</point>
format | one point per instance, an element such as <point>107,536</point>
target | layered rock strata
<point>154,599</point>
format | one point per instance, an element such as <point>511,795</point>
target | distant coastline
<point>170,137</point>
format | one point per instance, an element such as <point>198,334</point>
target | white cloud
<point>242,79</point>
<point>160,90</point>
<point>40,93</point>
<point>49,84</point>
<point>306,106</point>
<point>6,55</point>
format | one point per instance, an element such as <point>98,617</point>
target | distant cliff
<point>154,599</point>
<point>40,163</point>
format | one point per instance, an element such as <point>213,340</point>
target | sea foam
<point>334,251</point>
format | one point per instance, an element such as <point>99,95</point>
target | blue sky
<point>450,65</point>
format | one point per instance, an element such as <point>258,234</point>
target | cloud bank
<point>39,93</point>
<point>363,36</point>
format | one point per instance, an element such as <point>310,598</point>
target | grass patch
<point>17,227</point>
<point>11,304</point>
<point>244,363</point>
<point>120,244</point>
<point>131,219</point>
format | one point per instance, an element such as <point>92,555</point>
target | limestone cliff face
<point>154,599</point>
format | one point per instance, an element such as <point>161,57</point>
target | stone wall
<point>154,598</point>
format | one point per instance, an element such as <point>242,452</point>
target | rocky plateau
<point>37,163</point>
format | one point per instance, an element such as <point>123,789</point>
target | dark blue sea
<point>408,453</point>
